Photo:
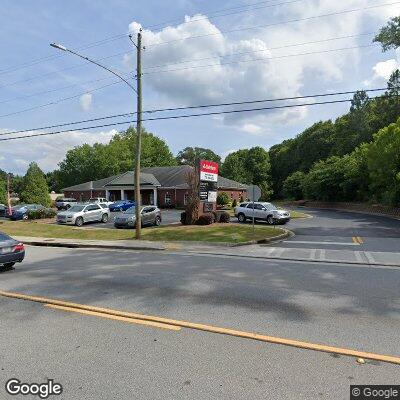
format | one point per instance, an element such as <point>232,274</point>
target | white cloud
<point>274,75</point>
<point>46,151</point>
<point>86,101</point>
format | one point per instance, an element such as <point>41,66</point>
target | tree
<point>35,189</point>
<point>293,186</point>
<point>250,166</point>
<point>389,35</point>
<point>85,163</point>
<point>189,156</point>
<point>3,191</point>
<point>383,159</point>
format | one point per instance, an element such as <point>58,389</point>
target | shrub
<point>183,218</point>
<point>224,218</point>
<point>41,214</point>
<point>205,219</point>
<point>221,216</point>
<point>222,199</point>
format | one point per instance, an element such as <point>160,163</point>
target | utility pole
<point>138,134</point>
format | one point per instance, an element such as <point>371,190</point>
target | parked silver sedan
<point>82,213</point>
<point>150,215</point>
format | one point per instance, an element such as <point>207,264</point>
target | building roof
<point>91,185</point>
<point>128,179</point>
<point>167,177</point>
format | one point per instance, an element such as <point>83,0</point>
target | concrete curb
<point>287,234</point>
<point>48,242</point>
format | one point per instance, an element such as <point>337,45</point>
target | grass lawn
<point>228,233</point>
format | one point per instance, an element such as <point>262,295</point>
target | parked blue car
<point>121,205</point>
<point>21,211</point>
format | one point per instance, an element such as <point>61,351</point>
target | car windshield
<point>76,208</point>
<point>130,210</point>
<point>269,206</point>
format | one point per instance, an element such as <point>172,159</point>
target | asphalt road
<point>96,358</point>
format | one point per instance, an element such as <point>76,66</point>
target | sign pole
<point>253,215</point>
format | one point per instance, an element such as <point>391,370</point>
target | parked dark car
<point>21,212</point>
<point>2,210</point>
<point>11,251</point>
<point>121,205</point>
<point>150,215</point>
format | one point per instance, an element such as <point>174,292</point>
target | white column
<point>122,194</point>
<point>107,195</point>
<point>154,196</point>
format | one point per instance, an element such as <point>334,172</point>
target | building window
<point>185,199</point>
<point>168,199</point>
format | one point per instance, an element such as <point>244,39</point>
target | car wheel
<point>79,221</point>
<point>25,217</point>
<point>157,221</point>
<point>270,220</point>
<point>241,218</point>
<point>104,218</point>
<point>8,266</point>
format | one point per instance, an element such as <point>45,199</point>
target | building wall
<point>235,194</point>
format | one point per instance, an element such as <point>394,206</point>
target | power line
<point>192,107</point>
<point>261,59</point>
<point>59,100</point>
<point>210,16</point>
<point>261,50</point>
<point>188,61</point>
<point>116,37</point>
<point>59,70</point>
<point>273,24</point>
<point>183,116</point>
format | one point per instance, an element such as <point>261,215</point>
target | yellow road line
<point>115,317</point>
<point>213,329</point>
<point>355,240</point>
<point>360,240</point>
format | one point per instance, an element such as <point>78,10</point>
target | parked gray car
<point>150,215</point>
<point>11,251</point>
<point>83,213</point>
<point>65,203</point>
<point>262,211</point>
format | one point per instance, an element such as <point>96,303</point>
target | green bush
<point>41,214</point>
<point>223,199</point>
<point>225,218</point>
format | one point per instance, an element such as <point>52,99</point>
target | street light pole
<point>138,134</point>
<point>139,115</point>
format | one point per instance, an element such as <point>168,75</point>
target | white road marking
<point>358,257</point>
<point>370,258</point>
<point>307,242</point>
<point>322,255</point>
<point>313,254</point>
<point>278,252</point>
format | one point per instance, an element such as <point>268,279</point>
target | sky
<point>238,50</point>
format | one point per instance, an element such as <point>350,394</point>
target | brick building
<point>162,186</point>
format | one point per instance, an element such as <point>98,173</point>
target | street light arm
<point>63,48</point>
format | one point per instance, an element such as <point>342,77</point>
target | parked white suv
<point>261,211</point>
<point>83,213</point>
<point>100,200</point>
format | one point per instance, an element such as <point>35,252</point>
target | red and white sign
<point>208,171</point>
